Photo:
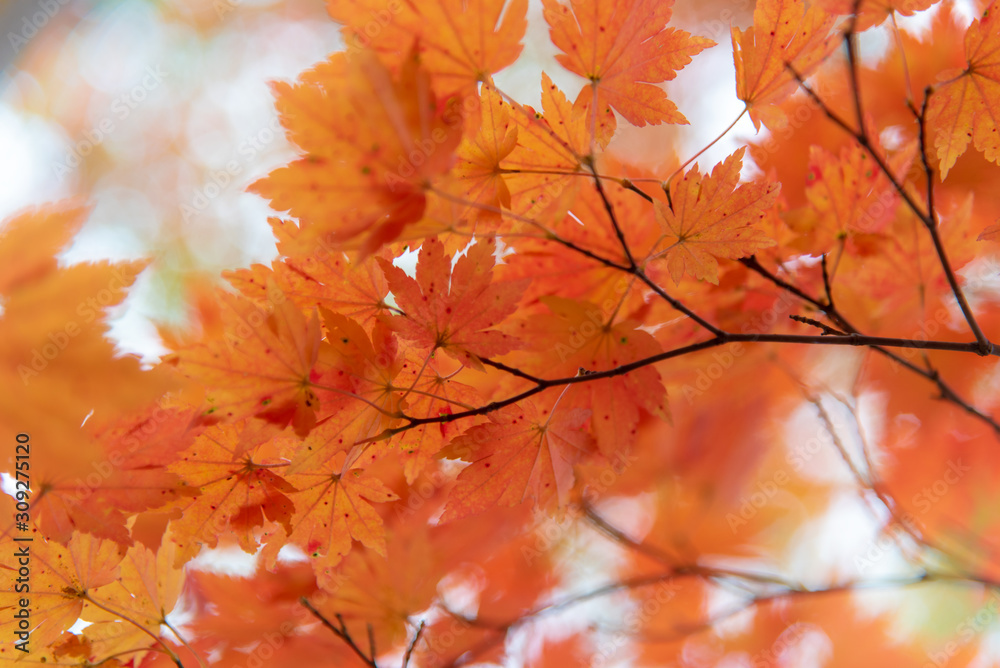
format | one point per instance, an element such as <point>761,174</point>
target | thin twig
<point>341,633</point>
<point>173,656</point>
<point>184,642</point>
<point>509,369</point>
<point>827,330</point>
<point>413,644</point>
<point>826,283</point>
<point>613,218</point>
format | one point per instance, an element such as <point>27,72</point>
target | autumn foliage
<point>506,397</point>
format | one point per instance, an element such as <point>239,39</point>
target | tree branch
<point>343,634</point>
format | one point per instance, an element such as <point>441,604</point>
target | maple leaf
<point>578,335</point>
<point>521,453</point>
<point>455,311</point>
<point>384,384</point>
<point>849,198</point>
<point>871,13</point>
<point>235,492</point>
<point>710,216</point>
<point>372,143</point>
<point>127,476</point>
<point>384,591</point>
<point>370,369</point>
<point>30,242</point>
<point>60,577</point>
<point>540,172</point>
<point>145,593</point>
<point>784,33</point>
<point>479,158</point>
<point>150,585</point>
<point>624,49</point>
<point>968,107</point>
<point>461,42</point>
<point>266,365</point>
<point>333,506</point>
<point>314,275</point>
<point>434,394</point>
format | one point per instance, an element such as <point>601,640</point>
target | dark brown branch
<point>984,346</point>
<point>342,633</point>
<point>412,645</point>
<point>628,185</point>
<point>612,217</point>
<point>543,384</point>
<point>921,117</point>
<point>837,318</point>
<point>827,330</point>
<point>826,285</point>
<point>619,536</point>
<point>509,369</point>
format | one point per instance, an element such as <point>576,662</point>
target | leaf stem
<point>666,184</point>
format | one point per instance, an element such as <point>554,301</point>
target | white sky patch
<point>989,649</point>
<point>292,554</point>
<point>811,451</point>
<point>30,145</point>
<point>8,484</point>
<point>824,550</point>
<point>230,560</point>
<point>460,589</point>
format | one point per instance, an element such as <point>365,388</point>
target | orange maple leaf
<point>236,491</point>
<point>624,49</point>
<point>372,143</point>
<point>784,33</point>
<point>461,42</point>
<point>849,198</point>
<point>578,335</point>
<point>266,363</point>
<point>145,593</point>
<point>30,241</point>
<point>709,217</point>
<point>454,311</point>
<point>60,577</point>
<point>128,477</point>
<point>385,591</point>
<point>314,276</point>
<point>871,13</point>
<point>435,393</point>
<point>478,170</point>
<point>521,453</point>
<point>332,507</point>
<point>968,107</point>
<point>553,147</point>
<point>369,369</point>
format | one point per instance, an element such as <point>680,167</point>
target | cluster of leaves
<point>418,456</point>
